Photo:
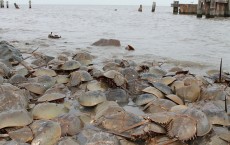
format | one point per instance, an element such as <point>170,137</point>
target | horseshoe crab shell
<point>50,97</point>
<point>144,99</point>
<point>96,86</point>
<point>79,76</point>
<point>189,93</point>
<point>163,88</point>
<point>23,134</point>
<point>4,70</point>
<point>153,91</point>
<point>182,127</point>
<point>17,79</point>
<point>48,110</point>
<point>203,124</point>
<point>70,124</point>
<point>116,76</point>
<point>42,72</point>
<point>36,88</point>
<point>130,74</point>
<point>175,99</point>
<point>84,58</point>
<point>45,132</point>
<point>161,117</point>
<point>70,65</point>
<point>91,98</point>
<point>118,95</point>
<point>159,105</point>
<point>62,79</point>
<point>15,118</point>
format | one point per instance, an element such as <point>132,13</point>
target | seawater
<point>182,40</point>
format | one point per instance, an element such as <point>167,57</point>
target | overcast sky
<point>103,2</point>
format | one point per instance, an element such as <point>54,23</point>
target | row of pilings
<point>2,4</point>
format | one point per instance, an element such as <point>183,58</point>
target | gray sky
<point>103,2</point>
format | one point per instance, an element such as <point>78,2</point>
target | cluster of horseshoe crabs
<point>66,100</point>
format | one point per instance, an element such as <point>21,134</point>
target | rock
<point>8,52</point>
<point>129,48</point>
<point>107,42</point>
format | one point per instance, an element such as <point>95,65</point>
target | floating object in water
<point>53,36</point>
<point>16,6</point>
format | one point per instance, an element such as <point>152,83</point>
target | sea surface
<point>181,40</point>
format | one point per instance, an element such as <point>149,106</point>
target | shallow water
<point>182,40</point>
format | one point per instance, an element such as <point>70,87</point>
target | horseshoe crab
<point>97,86</point>
<point>15,118</point>
<point>175,99</point>
<point>117,77</point>
<point>182,127</point>
<point>189,93</point>
<point>79,76</point>
<point>84,58</point>
<point>45,132</point>
<point>144,99</point>
<point>51,97</point>
<point>48,110</point>
<point>46,81</point>
<point>130,74</point>
<point>118,95</point>
<point>167,80</point>
<point>42,72</point>
<point>177,85</point>
<point>62,57</point>
<point>91,98</point>
<point>203,124</point>
<point>119,121</point>
<point>91,135</point>
<point>111,66</point>
<point>159,105</point>
<point>17,79</point>
<point>23,134</point>
<point>106,108</point>
<point>70,124</point>
<point>163,88</point>
<point>153,91</point>
<point>70,65</point>
<point>160,117</point>
<point>4,70</point>
<point>62,79</point>
<point>36,88</point>
<point>157,71</point>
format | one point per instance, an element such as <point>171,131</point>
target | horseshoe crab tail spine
<point>226,108</point>
<point>220,77</point>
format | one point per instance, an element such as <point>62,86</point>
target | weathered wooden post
<point>30,4</point>
<point>200,9</point>
<point>175,6</point>
<point>7,4</point>
<point>140,8</point>
<point>210,12</point>
<point>228,9</point>
<point>2,3</point>
<point>153,6</point>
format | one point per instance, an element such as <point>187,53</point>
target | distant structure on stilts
<point>140,8</point>
<point>7,4</point>
<point>30,4</point>
<point>154,7</point>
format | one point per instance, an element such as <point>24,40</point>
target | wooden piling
<point>30,4</point>
<point>153,6</point>
<point>140,8</point>
<point>7,4</point>
<point>2,3</point>
<point>175,6</point>
<point>200,9</point>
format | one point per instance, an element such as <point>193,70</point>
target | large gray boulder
<point>9,53</point>
<point>107,42</point>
